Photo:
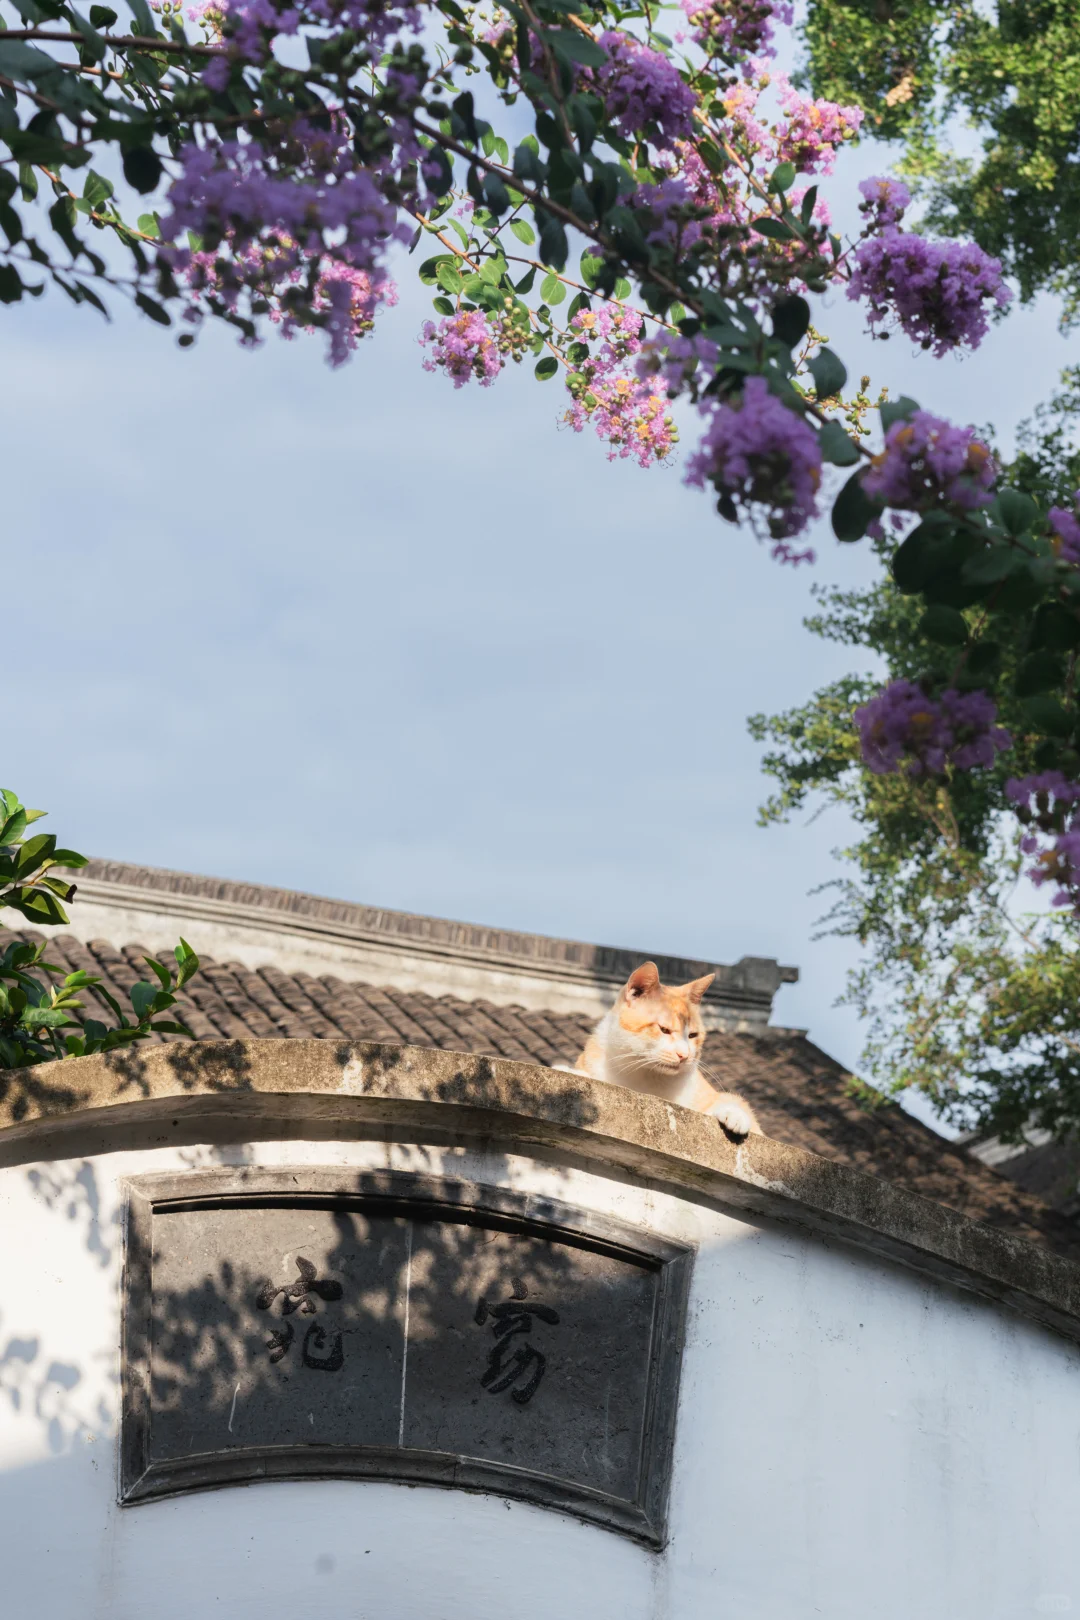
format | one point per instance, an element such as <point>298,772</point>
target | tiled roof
<point>801,1095</point>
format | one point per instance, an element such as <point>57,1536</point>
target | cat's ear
<point>695,990</point>
<point>643,980</point>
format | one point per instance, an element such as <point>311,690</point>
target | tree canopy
<point>642,215</point>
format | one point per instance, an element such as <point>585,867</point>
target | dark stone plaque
<point>289,1323</point>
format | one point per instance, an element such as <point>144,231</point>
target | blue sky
<point>357,633</point>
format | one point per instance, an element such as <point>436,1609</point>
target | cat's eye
<point>665,1031</point>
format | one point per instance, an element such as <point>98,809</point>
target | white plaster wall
<point>853,1441</point>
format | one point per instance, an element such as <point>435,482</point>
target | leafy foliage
<point>918,66</point>
<point>38,1019</point>
<point>967,995</point>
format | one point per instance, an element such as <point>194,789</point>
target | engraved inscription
<point>418,1312</point>
<point>321,1351</point>
<point>521,1365</point>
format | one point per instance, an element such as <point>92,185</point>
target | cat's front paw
<point>735,1116</point>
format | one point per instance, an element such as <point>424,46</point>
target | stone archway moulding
<point>236,1091</point>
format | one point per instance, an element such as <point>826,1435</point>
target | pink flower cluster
<point>815,129</point>
<point>927,462</point>
<point>903,728</point>
<point>344,300</point>
<point>465,345</point>
<point>809,135</point>
<point>884,201</point>
<point>936,292</point>
<point>1046,806</point>
<point>737,28</point>
<point>642,89</point>
<point>629,412</point>
<point>761,455</point>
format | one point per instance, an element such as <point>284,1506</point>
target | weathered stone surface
<point>387,1325</point>
<point>247,1090</point>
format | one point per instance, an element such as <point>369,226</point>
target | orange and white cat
<point>651,1040</point>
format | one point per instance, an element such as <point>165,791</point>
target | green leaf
<point>11,830</point>
<point>547,367</point>
<point>783,177</point>
<point>442,306</point>
<point>791,320</point>
<point>496,195</point>
<point>809,203</point>
<point>992,564</point>
<point>144,20</point>
<point>44,1018</point>
<point>896,410</point>
<point>837,446</point>
<point>984,657</point>
<point>151,307</point>
<point>527,164</point>
<point>828,372</point>
<point>188,963</point>
<point>1040,673</point>
<point>96,189</point>
<point>554,249</point>
<point>775,229</point>
<point>523,231</point>
<point>1056,627</point>
<point>921,555</point>
<point>11,288</point>
<point>1045,714</point>
<point>944,625</point>
<point>575,47</point>
<point>853,510</point>
<point>450,277</point>
<point>1016,511</point>
<point>150,225</point>
<point>25,62</point>
<point>143,996</point>
<point>102,16</point>
<point>93,44</point>
<point>142,168</point>
<point>162,974</point>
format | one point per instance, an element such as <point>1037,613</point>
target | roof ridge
<point>754,973</point>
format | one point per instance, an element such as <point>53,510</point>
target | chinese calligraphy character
<point>509,1363</point>
<point>300,1295</point>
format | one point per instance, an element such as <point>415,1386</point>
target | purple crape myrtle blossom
<point>669,215</point>
<point>284,225</point>
<point>884,201</point>
<point>760,454</point>
<point>737,28</point>
<point>643,89</point>
<point>927,462</point>
<point>465,346</point>
<point>1066,527</point>
<point>1046,806</point>
<point>251,26</point>
<point>683,364</point>
<point>903,728</point>
<point>936,292</point>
